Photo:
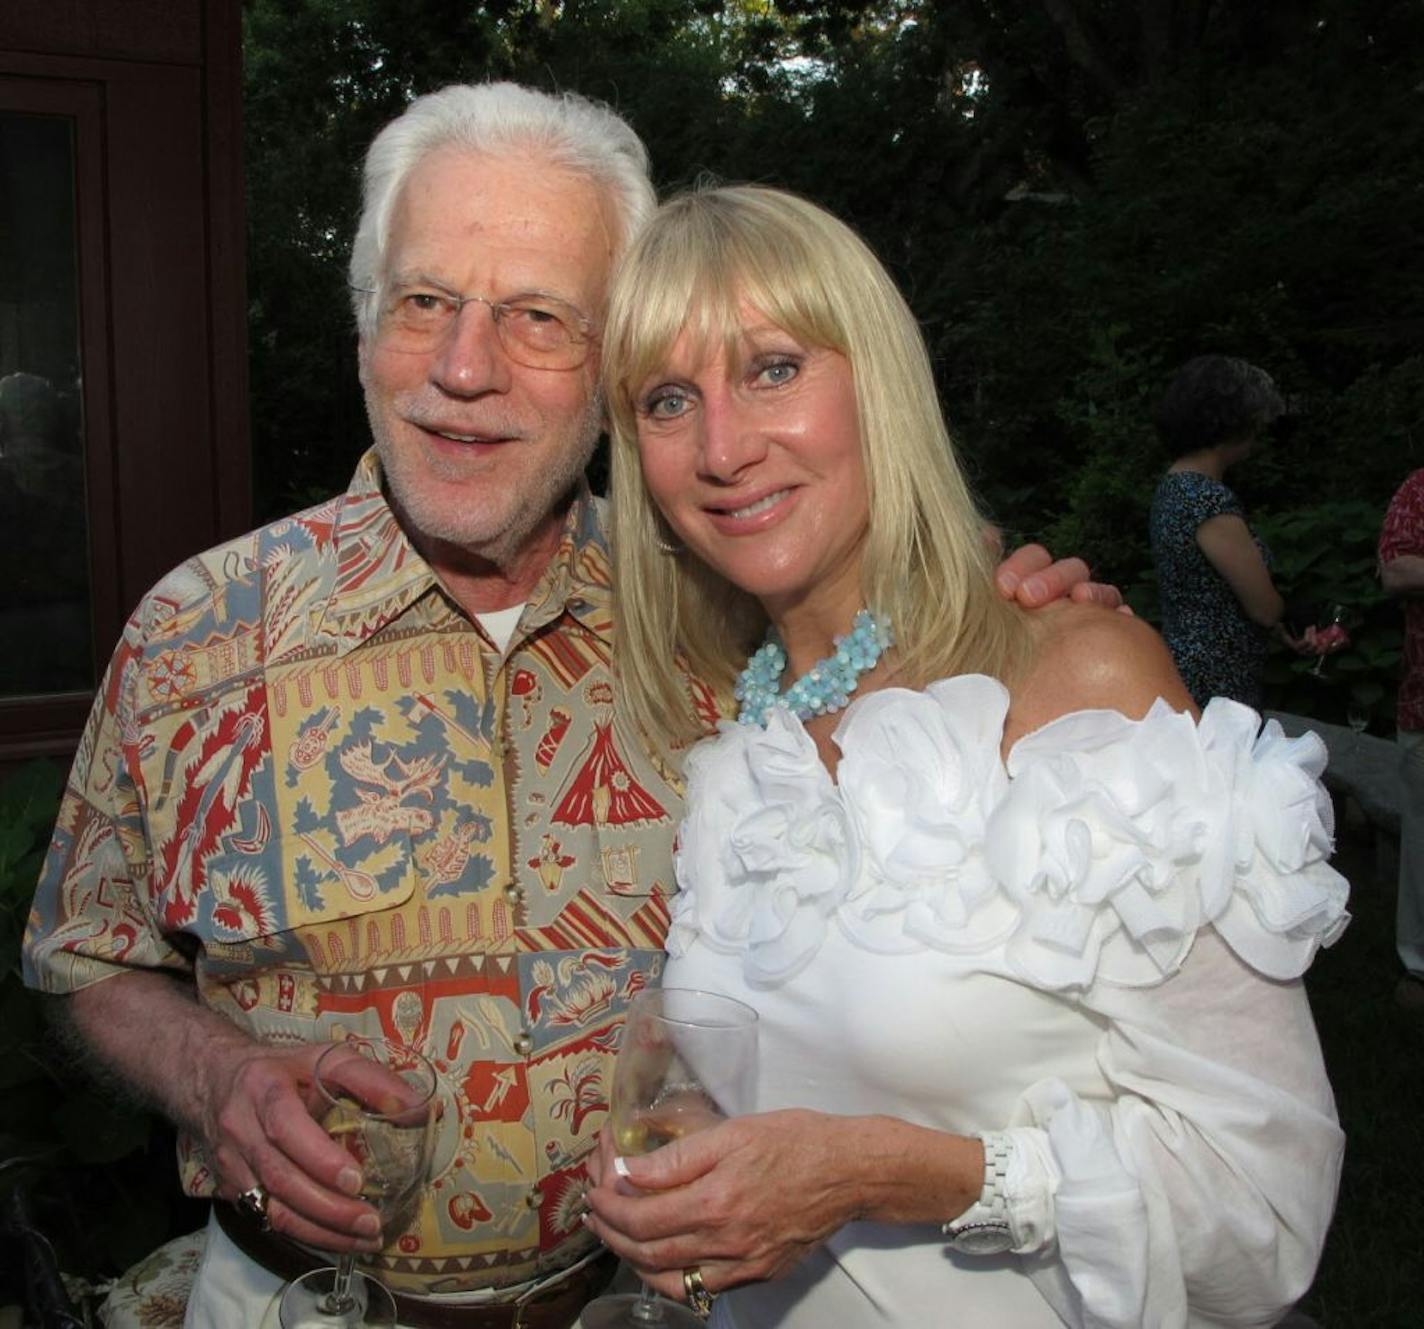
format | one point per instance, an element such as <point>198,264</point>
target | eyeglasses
<point>535,330</point>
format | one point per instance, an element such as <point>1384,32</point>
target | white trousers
<point>1409,915</point>
<point>233,1291</point>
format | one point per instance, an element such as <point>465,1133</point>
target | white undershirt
<point>500,624</point>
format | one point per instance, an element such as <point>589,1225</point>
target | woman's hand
<point>743,1200</point>
<point>748,1198</point>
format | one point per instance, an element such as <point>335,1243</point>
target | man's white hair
<point>496,118</point>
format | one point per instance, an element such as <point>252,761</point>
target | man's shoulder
<point>232,572</point>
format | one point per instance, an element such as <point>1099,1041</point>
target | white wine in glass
<point>688,1061</point>
<point>378,1101</point>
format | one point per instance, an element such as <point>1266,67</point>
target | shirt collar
<point>577,579</point>
<point>380,574</point>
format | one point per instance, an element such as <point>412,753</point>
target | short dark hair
<point>1214,399</point>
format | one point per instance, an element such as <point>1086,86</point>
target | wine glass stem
<point>339,1300</point>
<point>647,1309</point>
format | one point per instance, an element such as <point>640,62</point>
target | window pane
<point>44,555</point>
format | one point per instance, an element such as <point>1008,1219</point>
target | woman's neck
<point>808,633</point>
<point>1205,461</point>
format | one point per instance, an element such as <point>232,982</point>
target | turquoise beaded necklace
<point>825,688</point>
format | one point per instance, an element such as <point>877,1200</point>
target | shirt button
<point>534,1198</point>
<point>514,893</point>
<point>524,1045</point>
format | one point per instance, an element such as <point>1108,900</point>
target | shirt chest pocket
<point>244,848</point>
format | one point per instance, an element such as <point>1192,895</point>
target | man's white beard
<point>493,525</point>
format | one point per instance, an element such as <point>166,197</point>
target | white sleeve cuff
<point>1095,1210</point>
<point>1030,1186</point>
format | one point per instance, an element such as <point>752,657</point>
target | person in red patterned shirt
<point>1401,559</point>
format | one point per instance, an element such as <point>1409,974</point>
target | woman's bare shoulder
<point>1087,658</point>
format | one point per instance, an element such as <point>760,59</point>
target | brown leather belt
<point>556,1308</point>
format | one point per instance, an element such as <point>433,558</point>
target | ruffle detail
<point>768,855</point>
<point>1094,854</point>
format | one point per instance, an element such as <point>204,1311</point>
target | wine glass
<point>1357,715</point>
<point>377,1100</point>
<point>688,1061</point>
<point>1331,638</point>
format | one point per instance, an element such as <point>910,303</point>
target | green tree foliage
<point>1076,195</point>
<point>96,1173</point>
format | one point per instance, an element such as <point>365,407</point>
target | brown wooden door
<point>123,408</point>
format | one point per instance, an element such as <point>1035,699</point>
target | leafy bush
<point>99,1175</point>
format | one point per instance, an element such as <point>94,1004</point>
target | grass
<point>1372,1273</point>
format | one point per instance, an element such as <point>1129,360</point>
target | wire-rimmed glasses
<point>537,330</point>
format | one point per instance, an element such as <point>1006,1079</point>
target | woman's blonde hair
<point>926,565</point>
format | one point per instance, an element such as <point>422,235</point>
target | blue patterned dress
<point>1219,651</point>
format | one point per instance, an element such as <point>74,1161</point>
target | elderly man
<point>360,771</point>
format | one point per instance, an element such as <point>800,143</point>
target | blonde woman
<point>1024,931</point>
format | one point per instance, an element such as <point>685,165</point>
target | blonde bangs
<point>690,279</point>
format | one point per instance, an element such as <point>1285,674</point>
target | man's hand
<point>1031,577</point>
<point>254,1108</point>
<point>259,1124</point>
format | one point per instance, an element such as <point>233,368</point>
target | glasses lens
<point>414,320</point>
<point>542,332</point>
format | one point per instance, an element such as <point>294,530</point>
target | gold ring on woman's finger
<point>253,1203</point>
<point>698,1297</point>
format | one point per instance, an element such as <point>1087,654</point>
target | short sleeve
<point>88,920</point>
<point>1403,532</point>
<point>1207,499</point>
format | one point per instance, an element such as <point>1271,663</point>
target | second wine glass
<point>377,1100</point>
<point>1331,637</point>
<point>688,1061</point>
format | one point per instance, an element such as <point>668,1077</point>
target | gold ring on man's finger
<point>253,1202</point>
<point>698,1297</point>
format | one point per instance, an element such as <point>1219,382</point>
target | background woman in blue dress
<point>1219,603</point>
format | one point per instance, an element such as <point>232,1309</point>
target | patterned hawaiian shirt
<point>312,784</point>
<point>1404,534</point>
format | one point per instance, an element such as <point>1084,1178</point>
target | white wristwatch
<point>983,1228</point>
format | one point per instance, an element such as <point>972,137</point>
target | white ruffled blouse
<point>1153,885</point>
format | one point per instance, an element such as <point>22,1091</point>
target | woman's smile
<point>744,516</point>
